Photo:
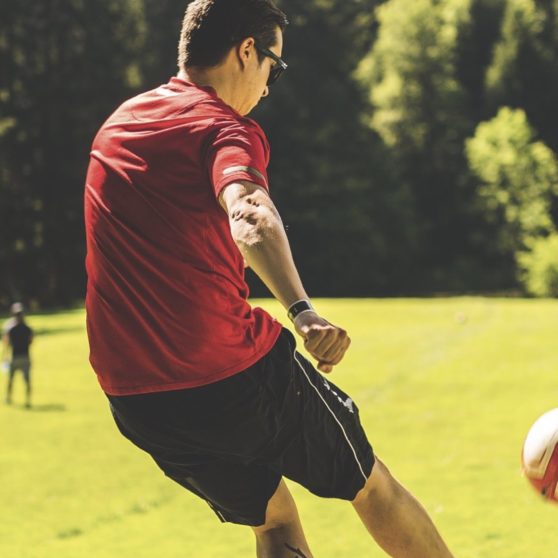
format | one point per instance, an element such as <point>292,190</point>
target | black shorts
<point>231,442</point>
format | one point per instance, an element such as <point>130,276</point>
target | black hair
<point>212,27</point>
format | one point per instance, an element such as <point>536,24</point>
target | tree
<point>519,184</point>
<point>410,72</point>
<point>160,50</point>
<point>474,49</point>
<point>65,65</point>
<point>348,219</point>
<point>519,177</point>
<point>539,266</point>
<point>523,70</point>
<point>423,113</point>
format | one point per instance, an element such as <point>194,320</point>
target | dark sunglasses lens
<point>276,71</point>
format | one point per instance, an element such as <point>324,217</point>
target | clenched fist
<point>324,341</point>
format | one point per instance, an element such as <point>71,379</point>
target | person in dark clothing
<point>17,337</point>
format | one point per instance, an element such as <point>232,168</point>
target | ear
<point>246,50</point>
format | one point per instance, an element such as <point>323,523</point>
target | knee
<point>380,484</point>
<point>274,525</point>
<point>280,513</point>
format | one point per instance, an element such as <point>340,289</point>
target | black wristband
<point>298,308</point>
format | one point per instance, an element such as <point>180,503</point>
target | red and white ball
<point>540,455</point>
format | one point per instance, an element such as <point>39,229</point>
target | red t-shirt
<point>166,295</point>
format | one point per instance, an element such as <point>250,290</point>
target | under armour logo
<point>348,403</point>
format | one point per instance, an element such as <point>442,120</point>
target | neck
<point>217,78</point>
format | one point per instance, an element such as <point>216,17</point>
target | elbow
<point>251,231</point>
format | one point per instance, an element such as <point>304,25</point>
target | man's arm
<point>258,232</point>
<point>5,347</point>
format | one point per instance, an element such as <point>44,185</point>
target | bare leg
<point>281,536</point>
<point>10,386</point>
<point>396,520</point>
<point>28,394</point>
<point>27,376</point>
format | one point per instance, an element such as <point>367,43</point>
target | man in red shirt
<point>176,204</point>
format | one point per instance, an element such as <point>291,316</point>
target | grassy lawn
<point>447,390</point>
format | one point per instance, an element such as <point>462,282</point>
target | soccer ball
<point>540,455</point>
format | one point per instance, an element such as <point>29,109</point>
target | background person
<point>17,337</point>
<point>176,200</point>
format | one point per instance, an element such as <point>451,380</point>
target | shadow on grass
<point>47,408</point>
<point>56,330</point>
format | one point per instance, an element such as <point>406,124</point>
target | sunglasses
<point>277,69</point>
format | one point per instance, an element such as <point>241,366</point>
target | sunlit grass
<point>447,390</point>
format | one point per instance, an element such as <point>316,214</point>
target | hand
<point>324,341</point>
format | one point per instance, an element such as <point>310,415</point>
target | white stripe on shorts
<point>217,512</point>
<point>333,414</point>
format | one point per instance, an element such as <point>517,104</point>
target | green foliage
<point>6,124</point>
<point>539,266</point>
<point>65,65</point>
<point>474,53</point>
<point>410,72</point>
<point>520,22</point>
<point>519,177</point>
<point>523,71</point>
<point>158,58</point>
<point>423,112</point>
<point>348,218</point>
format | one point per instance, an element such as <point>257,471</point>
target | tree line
<point>413,141</point>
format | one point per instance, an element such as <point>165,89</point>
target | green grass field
<point>447,390</point>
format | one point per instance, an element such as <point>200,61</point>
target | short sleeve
<point>238,151</point>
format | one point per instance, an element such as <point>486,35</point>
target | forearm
<point>271,259</point>
<point>258,232</point>
<point>268,252</point>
